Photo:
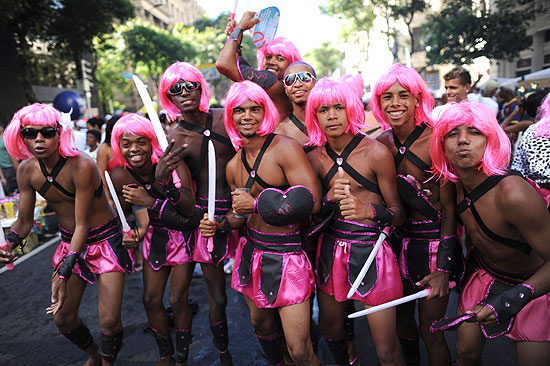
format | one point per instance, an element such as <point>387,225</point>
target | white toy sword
<point>4,246</point>
<point>211,189</point>
<point>154,118</point>
<point>125,226</point>
<point>390,304</point>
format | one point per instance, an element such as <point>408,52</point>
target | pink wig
<point>135,125</point>
<point>278,46</point>
<point>329,91</point>
<point>411,80</point>
<point>497,153</point>
<point>356,83</point>
<point>543,118</point>
<point>39,115</point>
<point>186,72</point>
<point>238,94</point>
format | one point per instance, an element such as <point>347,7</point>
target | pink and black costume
<point>224,242</point>
<point>104,253</point>
<point>345,246</point>
<point>519,317</point>
<point>419,245</point>
<point>272,269</point>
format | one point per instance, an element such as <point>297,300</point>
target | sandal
<point>355,361</point>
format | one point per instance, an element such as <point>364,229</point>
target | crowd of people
<point>303,185</point>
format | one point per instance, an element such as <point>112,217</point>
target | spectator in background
<point>486,97</point>
<point>457,84</point>
<point>8,165</point>
<point>95,123</point>
<point>92,141</point>
<point>509,110</point>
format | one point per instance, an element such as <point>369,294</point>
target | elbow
<point>222,67</point>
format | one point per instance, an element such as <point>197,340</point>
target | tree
<point>325,59</point>
<point>464,30</point>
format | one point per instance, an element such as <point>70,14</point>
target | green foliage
<point>324,59</point>
<point>359,15</point>
<point>463,31</point>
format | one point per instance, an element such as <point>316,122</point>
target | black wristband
<point>172,193</point>
<point>445,253</point>
<point>67,264</point>
<point>14,238</point>
<point>223,224</point>
<point>327,206</point>
<point>382,215</point>
<point>510,302</point>
<point>235,34</point>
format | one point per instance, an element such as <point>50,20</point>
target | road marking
<point>33,252</point>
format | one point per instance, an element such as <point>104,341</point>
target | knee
<point>332,325</point>
<point>263,327</point>
<point>66,321</point>
<point>389,354</point>
<point>152,302</point>
<point>218,300</point>
<point>466,350</point>
<point>299,351</point>
<point>179,302</point>
<point>110,322</point>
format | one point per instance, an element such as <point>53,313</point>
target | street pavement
<point>29,337</point>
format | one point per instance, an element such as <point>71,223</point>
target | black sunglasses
<point>304,76</point>
<point>32,133</point>
<point>177,88</point>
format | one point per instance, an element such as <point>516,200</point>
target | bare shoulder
<point>287,145</point>
<point>375,148</point>
<point>385,137</point>
<point>233,163</point>
<point>282,126</point>
<point>217,113</point>
<point>515,194</point>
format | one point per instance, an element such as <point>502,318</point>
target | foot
<point>226,359</point>
<point>355,361</point>
<point>352,352</point>
<point>93,361</point>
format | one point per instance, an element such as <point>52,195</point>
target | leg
<point>295,319</point>
<point>71,326</point>
<point>384,334</point>
<point>349,328</point>
<point>428,312</point>
<point>469,344</point>
<point>407,330</point>
<point>533,353</point>
<point>331,321</point>
<point>264,322</point>
<point>110,288</point>
<point>154,283</point>
<point>179,301</point>
<point>215,281</point>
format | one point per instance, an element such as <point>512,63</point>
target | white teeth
<point>396,114</point>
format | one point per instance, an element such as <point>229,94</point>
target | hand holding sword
<point>153,117</point>
<point>125,227</point>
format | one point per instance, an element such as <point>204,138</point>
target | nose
<point>331,113</point>
<point>463,137</point>
<point>247,114</point>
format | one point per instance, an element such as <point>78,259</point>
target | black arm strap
<point>148,185</point>
<point>50,177</point>
<point>403,149</point>
<point>263,78</point>
<point>340,161</point>
<point>298,124</point>
<point>253,172</point>
<point>477,193</point>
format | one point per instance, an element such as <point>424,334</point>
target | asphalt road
<point>29,337</point>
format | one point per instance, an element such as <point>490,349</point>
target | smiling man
<point>91,247</point>
<point>299,79</point>
<point>509,264</point>
<point>273,59</point>
<point>426,244</point>
<point>457,84</point>
<point>271,269</point>
<point>184,95</point>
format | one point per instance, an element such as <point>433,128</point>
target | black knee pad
<point>411,350</point>
<point>339,350</point>
<point>272,349</point>
<point>349,327</point>
<point>81,336</point>
<point>111,345</point>
<point>183,340</point>
<point>220,335</point>
<point>164,343</point>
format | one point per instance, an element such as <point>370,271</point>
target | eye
<point>340,107</point>
<point>322,110</point>
<point>386,97</point>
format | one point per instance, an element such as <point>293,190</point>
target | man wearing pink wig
<point>184,95</point>
<point>271,269</point>
<point>360,199</point>
<point>91,248</point>
<point>273,59</point>
<point>508,267</point>
<point>426,244</point>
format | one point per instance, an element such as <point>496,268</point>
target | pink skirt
<point>177,252</point>
<point>99,255</point>
<point>531,324</point>
<point>297,280</point>
<point>201,253</point>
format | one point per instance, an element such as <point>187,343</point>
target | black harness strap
<point>477,193</point>
<point>148,185</point>
<point>253,172</point>
<point>298,124</point>
<point>340,161</point>
<point>50,177</point>
<point>207,134</point>
<point>403,149</point>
